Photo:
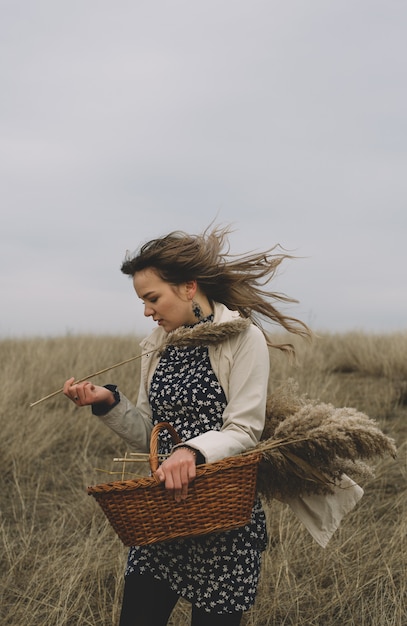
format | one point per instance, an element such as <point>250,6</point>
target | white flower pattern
<point>217,572</point>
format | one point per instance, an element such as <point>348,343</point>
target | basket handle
<point>154,442</point>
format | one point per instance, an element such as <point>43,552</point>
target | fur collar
<point>205,334</point>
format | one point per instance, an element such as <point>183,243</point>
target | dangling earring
<point>196,310</point>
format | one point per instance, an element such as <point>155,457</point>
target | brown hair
<point>236,281</point>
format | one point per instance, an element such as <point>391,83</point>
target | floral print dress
<point>217,572</point>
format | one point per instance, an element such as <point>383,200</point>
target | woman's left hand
<point>177,472</point>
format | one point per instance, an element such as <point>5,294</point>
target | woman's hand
<point>83,394</point>
<point>177,472</point>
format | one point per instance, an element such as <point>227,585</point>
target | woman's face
<point>169,305</point>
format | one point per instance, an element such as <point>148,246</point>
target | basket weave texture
<point>142,511</point>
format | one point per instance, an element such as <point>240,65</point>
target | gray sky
<point>121,121</point>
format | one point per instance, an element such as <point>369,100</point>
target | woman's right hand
<point>177,472</point>
<point>86,393</point>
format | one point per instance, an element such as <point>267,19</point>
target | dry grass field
<point>61,564</point>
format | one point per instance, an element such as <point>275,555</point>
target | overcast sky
<point>121,121</point>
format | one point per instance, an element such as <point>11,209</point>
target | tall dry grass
<point>61,563</point>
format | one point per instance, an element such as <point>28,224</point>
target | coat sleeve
<point>244,415</point>
<point>322,514</point>
<point>132,423</point>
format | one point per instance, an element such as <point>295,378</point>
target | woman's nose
<point>148,310</point>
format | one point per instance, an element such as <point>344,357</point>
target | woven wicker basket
<point>142,511</point>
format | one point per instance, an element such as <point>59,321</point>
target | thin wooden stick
<point>104,471</point>
<point>181,337</point>
<point>141,457</point>
<point>81,380</point>
<point>124,465</point>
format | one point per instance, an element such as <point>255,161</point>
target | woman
<point>214,396</point>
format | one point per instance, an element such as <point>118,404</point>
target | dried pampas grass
<point>307,446</point>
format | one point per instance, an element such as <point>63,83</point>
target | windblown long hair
<point>236,281</point>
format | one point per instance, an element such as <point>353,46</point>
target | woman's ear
<point>191,287</point>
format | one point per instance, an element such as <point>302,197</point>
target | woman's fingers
<point>81,394</point>
<point>181,479</point>
<point>71,390</point>
<point>177,472</point>
<point>86,393</point>
<point>67,388</point>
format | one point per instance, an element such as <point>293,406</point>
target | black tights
<point>149,602</point>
